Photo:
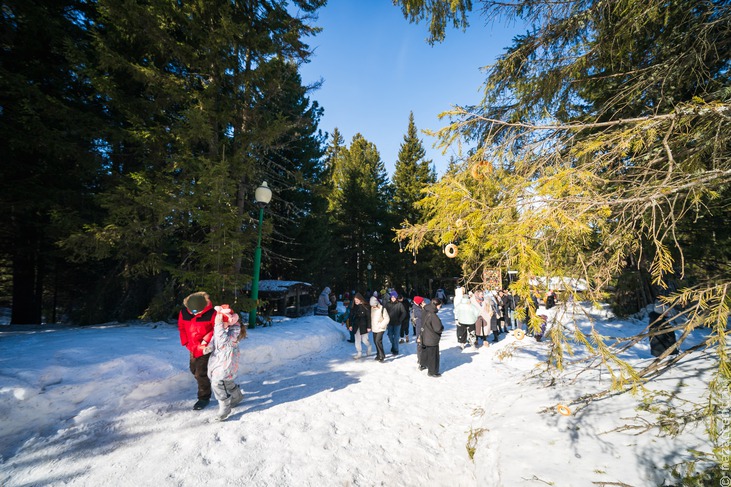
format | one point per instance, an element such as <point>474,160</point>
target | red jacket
<point>196,328</point>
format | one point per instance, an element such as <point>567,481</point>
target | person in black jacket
<point>660,338</point>
<point>404,334</point>
<point>417,319</point>
<point>360,323</point>
<point>396,314</point>
<point>431,333</point>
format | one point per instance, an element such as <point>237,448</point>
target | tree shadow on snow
<point>625,421</point>
<point>88,440</point>
<point>266,391</point>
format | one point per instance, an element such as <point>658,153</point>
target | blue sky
<point>376,67</point>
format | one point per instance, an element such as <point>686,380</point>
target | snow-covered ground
<point>112,405</point>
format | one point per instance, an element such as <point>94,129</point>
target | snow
<point>112,405</point>
<point>559,283</point>
<point>272,285</point>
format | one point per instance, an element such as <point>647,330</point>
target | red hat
<point>418,300</point>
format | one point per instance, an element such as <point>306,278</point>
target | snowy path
<point>111,405</point>
<point>363,421</point>
<point>321,419</point>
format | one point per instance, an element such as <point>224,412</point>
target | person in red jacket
<point>195,323</point>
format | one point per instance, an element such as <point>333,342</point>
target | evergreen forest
<point>134,137</point>
<point>135,133</point>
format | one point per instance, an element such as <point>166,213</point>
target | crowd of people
<point>481,317</point>
<point>212,334</point>
<point>400,319</point>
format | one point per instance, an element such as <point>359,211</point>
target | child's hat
<point>196,302</point>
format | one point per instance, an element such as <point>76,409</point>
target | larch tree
<point>601,148</point>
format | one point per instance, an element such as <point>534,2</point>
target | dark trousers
<point>393,334</point>
<point>404,329</point>
<point>378,339</point>
<point>199,369</point>
<point>506,319</point>
<point>430,359</point>
<point>461,333</point>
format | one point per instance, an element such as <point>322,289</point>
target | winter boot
<point>236,396</point>
<point>201,404</point>
<point>224,409</point>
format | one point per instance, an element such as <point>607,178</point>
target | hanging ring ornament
<point>476,172</point>
<point>563,410</point>
<point>519,334</point>
<point>479,169</point>
<point>451,251</point>
<point>459,223</point>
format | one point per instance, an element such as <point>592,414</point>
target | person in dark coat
<point>431,333</point>
<point>396,314</point>
<point>544,322</point>
<point>659,340</point>
<point>417,314</point>
<point>404,334</point>
<point>530,309</point>
<point>347,316</point>
<point>332,310</point>
<point>360,323</point>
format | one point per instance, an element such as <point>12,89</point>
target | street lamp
<point>262,197</point>
<point>369,267</point>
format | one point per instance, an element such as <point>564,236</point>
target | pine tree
<point>412,174</point>
<point>196,92</point>
<point>300,245</point>
<point>358,210</point>
<point>50,122</point>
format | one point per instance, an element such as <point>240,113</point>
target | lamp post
<point>369,267</point>
<point>262,197</point>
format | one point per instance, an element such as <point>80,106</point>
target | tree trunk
<point>27,288</point>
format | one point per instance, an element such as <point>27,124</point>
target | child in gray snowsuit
<point>224,363</point>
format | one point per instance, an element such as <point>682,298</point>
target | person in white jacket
<point>379,324</point>
<point>466,315</point>
<point>223,366</point>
